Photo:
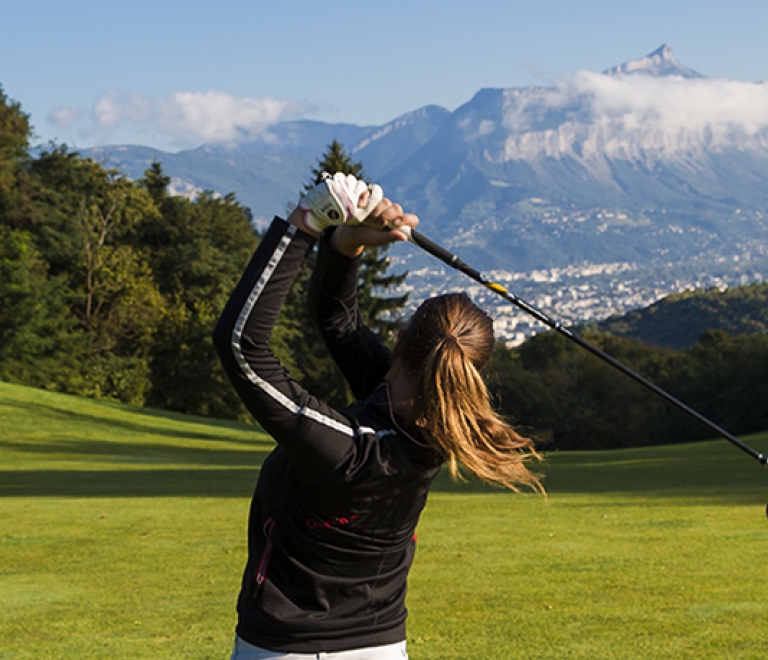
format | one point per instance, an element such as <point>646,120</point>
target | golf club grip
<point>433,248</point>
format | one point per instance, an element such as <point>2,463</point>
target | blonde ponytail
<point>444,346</point>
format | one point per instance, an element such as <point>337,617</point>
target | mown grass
<point>122,534</point>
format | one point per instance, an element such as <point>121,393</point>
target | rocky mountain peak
<point>661,62</point>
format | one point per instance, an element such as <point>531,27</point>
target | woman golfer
<point>332,521</point>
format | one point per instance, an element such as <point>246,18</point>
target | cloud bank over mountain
<point>590,116</point>
<point>668,104</point>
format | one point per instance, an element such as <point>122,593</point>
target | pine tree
<point>309,360</point>
<point>382,312</point>
<point>39,342</point>
<point>18,207</point>
<point>196,251</point>
<point>14,140</point>
<point>335,160</point>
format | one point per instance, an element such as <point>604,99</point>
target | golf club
<point>454,262</point>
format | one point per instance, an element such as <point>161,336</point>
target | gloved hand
<point>336,200</point>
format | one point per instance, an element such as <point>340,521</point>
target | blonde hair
<point>444,346</point>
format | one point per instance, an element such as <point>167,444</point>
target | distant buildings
<point>578,294</point>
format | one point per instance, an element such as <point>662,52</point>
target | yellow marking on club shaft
<point>496,287</point>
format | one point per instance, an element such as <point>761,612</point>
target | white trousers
<point>245,651</point>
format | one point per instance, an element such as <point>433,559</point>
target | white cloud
<point>670,104</point>
<point>64,117</point>
<point>219,117</point>
<point>187,118</point>
<point>116,108</point>
<point>590,115</point>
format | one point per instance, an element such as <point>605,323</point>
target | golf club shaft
<point>454,262</point>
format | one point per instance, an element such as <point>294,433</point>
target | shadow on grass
<point>135,481</point>
<point>712,470</point>
<point>129,483</point>
<point>142,453</point>
<point>708,470</point>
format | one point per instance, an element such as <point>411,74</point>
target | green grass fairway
<point>122,535</point>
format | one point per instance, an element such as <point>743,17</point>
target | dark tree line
<point>551,385</point>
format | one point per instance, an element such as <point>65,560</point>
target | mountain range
<point>648,162</point>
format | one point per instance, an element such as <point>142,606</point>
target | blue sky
<point>173,74</point>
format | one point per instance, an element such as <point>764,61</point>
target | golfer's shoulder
<point>384,439</point>
<point>398,451</point>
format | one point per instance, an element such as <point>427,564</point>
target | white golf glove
<point>334,201</point>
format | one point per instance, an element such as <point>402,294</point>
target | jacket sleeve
<point>359,353</point>
<point>316,438</point>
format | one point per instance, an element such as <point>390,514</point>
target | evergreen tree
<point>39,345</point>
<point>196,252</point>
<point>298,341</point>
<point>14,142</point>
<point>39,340</point>
<point>335,159</point>
<point>18,207</point>
<point>382,312</point>
<point>87,236</point>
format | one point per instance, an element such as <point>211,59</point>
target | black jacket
<point>332,521</point>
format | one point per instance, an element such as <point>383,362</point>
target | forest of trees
<point>110,288</point>
<point>551,385</point>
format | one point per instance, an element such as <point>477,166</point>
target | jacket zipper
<point>266,554</point>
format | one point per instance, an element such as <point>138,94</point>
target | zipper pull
<point>266,554</point>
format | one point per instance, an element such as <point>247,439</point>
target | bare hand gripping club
<point>454,262</point>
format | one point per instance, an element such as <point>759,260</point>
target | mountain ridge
<point>637,164</point>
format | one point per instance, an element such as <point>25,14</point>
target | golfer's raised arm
<point>358,352</point>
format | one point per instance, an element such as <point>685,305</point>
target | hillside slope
<point>678,320</point>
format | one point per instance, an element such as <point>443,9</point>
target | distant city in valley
<point>590,292</point>
<point>576,294</point>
